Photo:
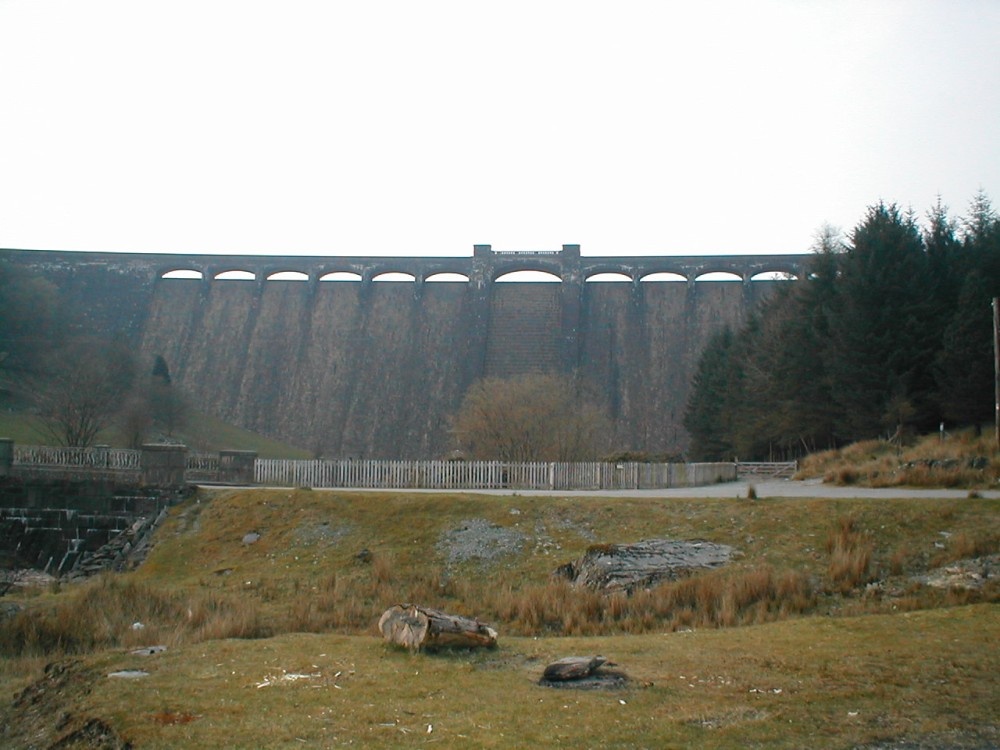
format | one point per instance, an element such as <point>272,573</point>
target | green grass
<point>820,660</point>
<point>20,427</point>
<point>205,432</point>
<point>818,683</point>
<point>202,432</point>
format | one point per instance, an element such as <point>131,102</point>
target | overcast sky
<point>424,127</point>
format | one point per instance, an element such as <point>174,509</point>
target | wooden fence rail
<point>485,475</point>
<point>773,469</point>
<point>239,467</point>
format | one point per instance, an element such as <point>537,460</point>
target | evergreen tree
<point>709,416</point>
<point>981,242</point>
<point>800,384</point>
<point>946,259</point>
<point>880,356</point>
<point>982,219</point>
<point>964,370</point>
<point>892,331</point>
<point>160,369</point>
<point>964,364</point>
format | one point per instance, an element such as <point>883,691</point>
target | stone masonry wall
<point>375,369</point>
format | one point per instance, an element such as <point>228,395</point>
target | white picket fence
<point>484,475</point>
<point>382,474</point>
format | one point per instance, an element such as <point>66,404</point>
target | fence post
<point>236,467</point>
<point>101,453</point>
<point>6,457</point>
<point>163,465</point>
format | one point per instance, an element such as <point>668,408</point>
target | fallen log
<point>415,627</point>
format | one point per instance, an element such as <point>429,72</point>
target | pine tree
<point>981,242</point>
<point>946,258</point>
<point>880,356</point>
<point>964,366</point>
<point>801,379</point>
<point>160,369</point>
<point>709,415</point>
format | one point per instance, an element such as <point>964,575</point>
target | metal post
<point>996,366</point>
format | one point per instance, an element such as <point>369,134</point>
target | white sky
<point>406,127</point>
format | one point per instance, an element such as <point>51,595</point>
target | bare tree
<point>169,406</point>
<point>154,403</point>
<point>83,390</point>
<point>135,420</point>
<point>531,418</point>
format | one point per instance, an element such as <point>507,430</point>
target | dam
<point>368,357</point>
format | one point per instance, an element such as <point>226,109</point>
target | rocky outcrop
<point>627,567</point>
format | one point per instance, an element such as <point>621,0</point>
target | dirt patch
<point>730,718</point>
<point>480,540</point>
<point>973,573</point>
<point>323,534</point>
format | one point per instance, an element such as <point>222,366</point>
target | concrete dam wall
<point>374,369</point>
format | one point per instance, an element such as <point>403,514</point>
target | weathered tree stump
<point>573,668</point>
<point>415,627</point>
<point>583,673</point>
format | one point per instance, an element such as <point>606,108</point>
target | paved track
<point>812,488</point>
<point>770,488</point>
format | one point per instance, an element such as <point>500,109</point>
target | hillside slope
<point>266,603</point>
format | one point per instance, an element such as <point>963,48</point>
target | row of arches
<point>512,276</point>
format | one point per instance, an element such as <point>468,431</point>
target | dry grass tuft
<point>901,560</point>
<point>710,600</point>
<point>960,460</point>
<point>382,565</point>
<point>112,611</point>
<point>167,718</point>
<point>850,556</point>
<point>965,545</point>
<point>842,476</point>
<point>827,462</point>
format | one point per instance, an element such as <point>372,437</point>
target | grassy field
<point>823,633</point>
<point>816,682</point>
<point>202,432</point>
